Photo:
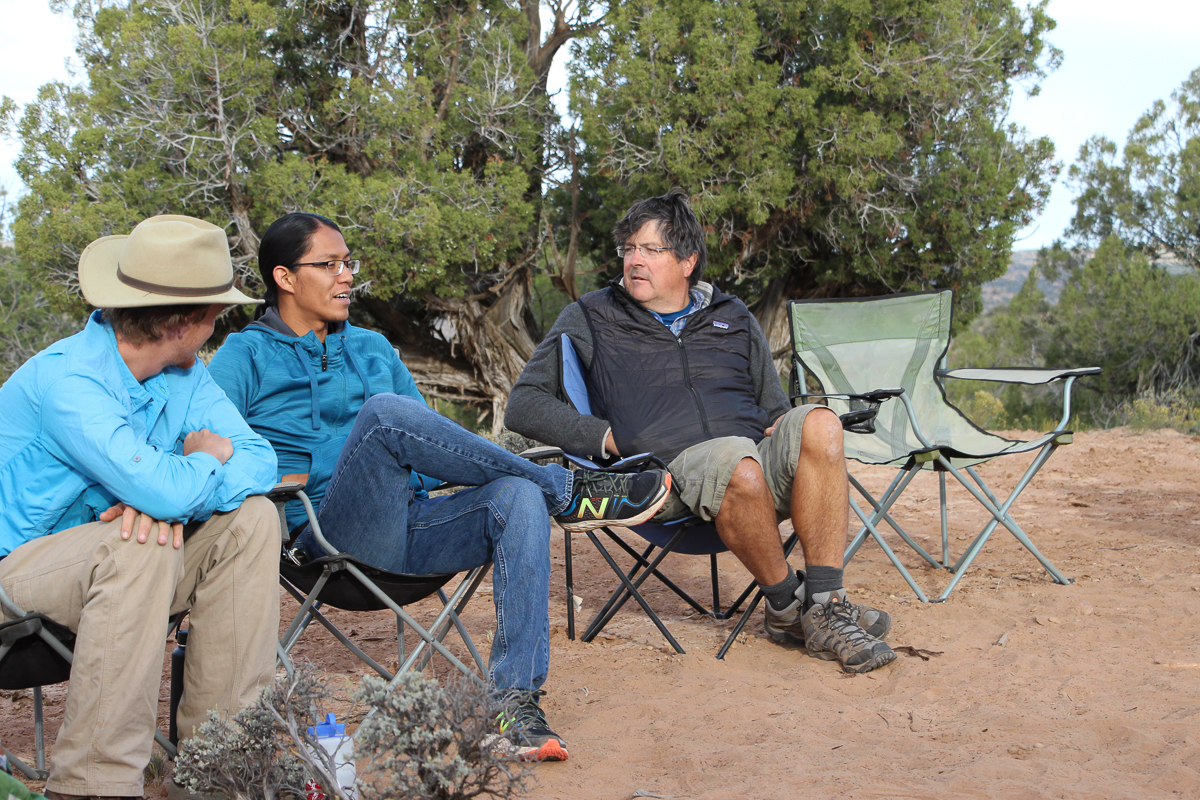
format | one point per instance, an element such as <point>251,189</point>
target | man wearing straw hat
<point>126,478</point>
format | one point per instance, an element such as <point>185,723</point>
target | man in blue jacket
<point>680,369</point>
<point>126,477</point>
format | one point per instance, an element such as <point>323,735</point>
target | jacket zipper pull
<point>324,362</point>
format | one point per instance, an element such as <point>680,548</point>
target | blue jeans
<point>370,511</point>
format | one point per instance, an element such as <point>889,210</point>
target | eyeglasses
<point>334,267</point>
<point>647,250</point>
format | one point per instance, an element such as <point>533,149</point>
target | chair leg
<point>1000,516</point>
<point>39,731</point>
<point>475,577</point>
<point>663,579</point>
<point>887,550</point>
<point>788,546</point>
<point>632,589</point>
<point>570,588</point>
<point>945,526</point>
<point>899,484</point>
<point>22,767</point>
<point>716,587</point>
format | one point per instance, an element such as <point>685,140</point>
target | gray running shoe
<point>831,632</point>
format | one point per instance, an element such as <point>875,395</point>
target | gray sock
<point>821,580</point>
<point>783,594</point>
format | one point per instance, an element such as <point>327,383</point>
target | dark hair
<point>284,244</point>
<point>677,225</point>
<point>144,324</point>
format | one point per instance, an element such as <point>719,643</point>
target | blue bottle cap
<point>330,727</point>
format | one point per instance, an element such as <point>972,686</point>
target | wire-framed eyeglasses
<point>647,250</point>
<point>336,266</point>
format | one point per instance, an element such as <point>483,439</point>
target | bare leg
<point>747,524</point>
<point>820,507</point>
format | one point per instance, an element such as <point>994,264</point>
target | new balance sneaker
<point>614,498</point>
<point>524,732</point>
<point>787,625</point>
<point>832,632</point>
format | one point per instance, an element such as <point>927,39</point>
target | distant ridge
<point>1001,290</point>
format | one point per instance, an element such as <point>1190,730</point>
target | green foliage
<point>28,322</point>
<point>1150,196</point>
<point>1174,410</point>
<point>1136,320</point>
<point>838,147</point>
<point>413,124</point>
<point>1139,322</point>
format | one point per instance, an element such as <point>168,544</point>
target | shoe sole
<point>784,637</point>
<point>880,660</point>
<point>551,750</point>
<point>592,524</point>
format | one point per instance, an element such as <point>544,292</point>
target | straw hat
<point>166,260</point>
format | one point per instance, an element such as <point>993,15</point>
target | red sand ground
<point>1094,691</point>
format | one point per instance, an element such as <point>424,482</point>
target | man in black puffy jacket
<point>676,367</point>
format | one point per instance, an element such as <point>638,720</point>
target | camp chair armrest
<point>1027,375</point>
<point>284,490</point>
<point>541,452</point>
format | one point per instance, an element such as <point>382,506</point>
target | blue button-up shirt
<point>78,433</point>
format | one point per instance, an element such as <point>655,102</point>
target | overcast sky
<point>1119,57</point>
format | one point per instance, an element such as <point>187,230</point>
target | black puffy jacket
<point>661,394</point>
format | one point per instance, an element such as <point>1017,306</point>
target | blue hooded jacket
<point>80,433</point>
<point>303,395</point>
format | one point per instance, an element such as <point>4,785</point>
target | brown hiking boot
<point>788,626</point>
<point>832,632</point>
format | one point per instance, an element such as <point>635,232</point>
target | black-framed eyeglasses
<point>336,266</point>
<point>647,250</point>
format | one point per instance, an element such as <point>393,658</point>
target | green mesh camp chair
<point>858,344</point>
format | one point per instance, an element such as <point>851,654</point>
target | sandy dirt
<point>1026,689</point>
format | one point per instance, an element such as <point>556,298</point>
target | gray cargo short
<point>702,471</point>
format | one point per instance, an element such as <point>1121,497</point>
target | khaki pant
<point>702,471</point>
<point>116,596</point>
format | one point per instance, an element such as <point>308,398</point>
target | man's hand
<point>610,445</point>
<point>205,441</point>
<point>770,430</point>
<point>167,531</point>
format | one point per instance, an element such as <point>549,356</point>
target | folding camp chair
<point>36,651</point>
<point>687,535</point>
<point>901,341</point>
<point>339,580</point>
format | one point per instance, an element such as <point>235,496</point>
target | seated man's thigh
<point>779,454</point>
<point>55,574</point>
<point>701,473</point>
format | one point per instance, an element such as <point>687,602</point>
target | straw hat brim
<point>103,288</point>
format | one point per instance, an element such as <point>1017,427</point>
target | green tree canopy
<point>834,147</point>
<point>1149,194</point>
<point>418,126</point>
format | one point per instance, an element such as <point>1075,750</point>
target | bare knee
<point>747,479</point>
<point>822,436</point>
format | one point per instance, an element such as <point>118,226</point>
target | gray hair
<point>677,225</point>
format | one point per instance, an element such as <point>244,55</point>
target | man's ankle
<point>820,583</point>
